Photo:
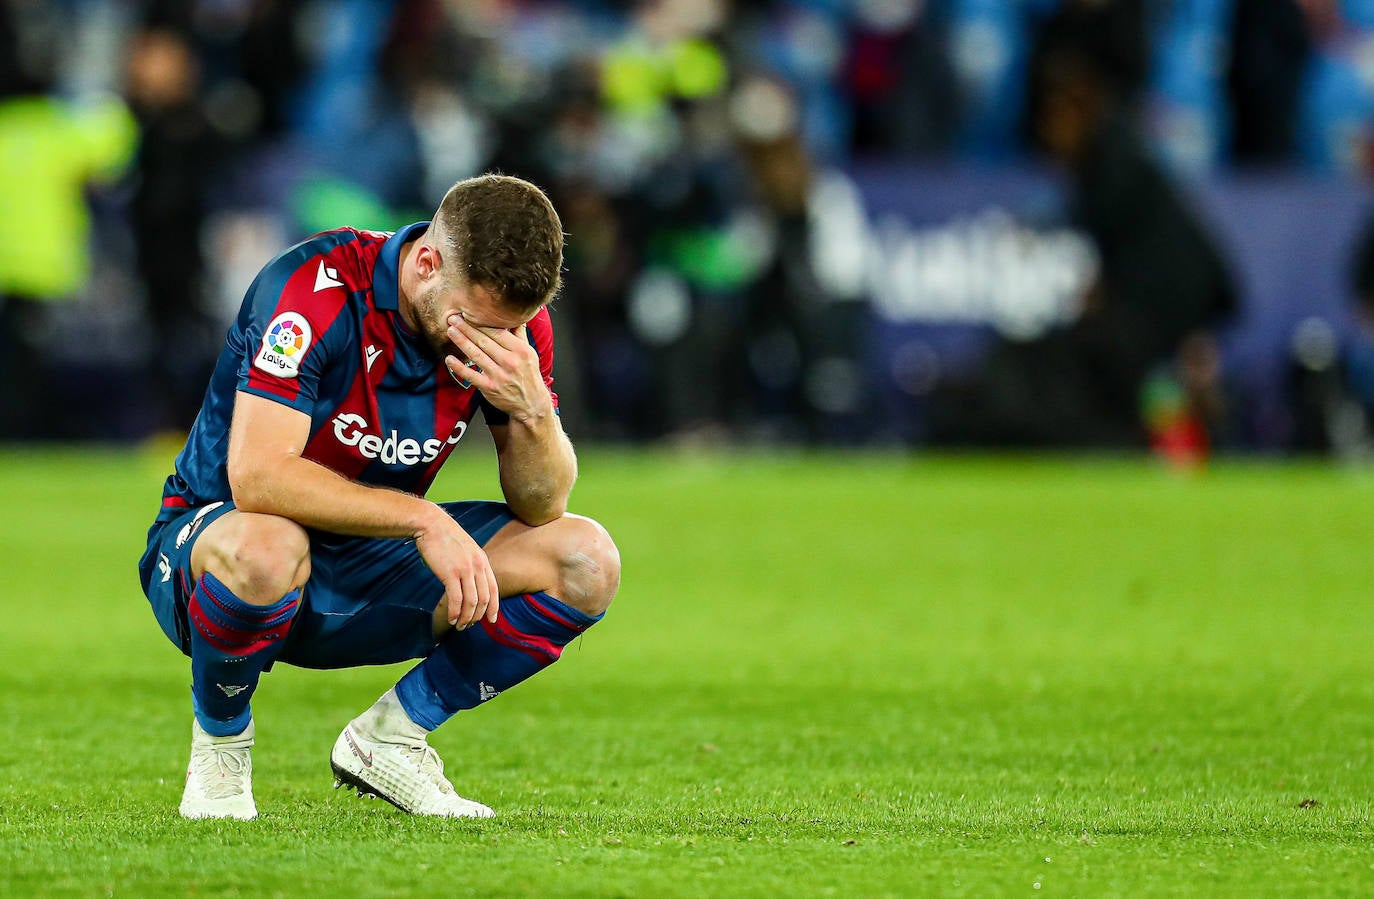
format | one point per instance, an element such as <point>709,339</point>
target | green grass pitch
<point>866,675</point>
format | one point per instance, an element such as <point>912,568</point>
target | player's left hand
<point>507,370</point>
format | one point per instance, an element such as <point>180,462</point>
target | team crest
<point>463,383</point>
<point>284,345</point>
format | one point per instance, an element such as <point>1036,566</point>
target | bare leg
<point>572,558</point>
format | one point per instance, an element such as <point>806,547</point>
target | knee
<point>259,557</point>
<point>589,564</point>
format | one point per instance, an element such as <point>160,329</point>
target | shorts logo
<point>284,345</point>
<point>190,529</point>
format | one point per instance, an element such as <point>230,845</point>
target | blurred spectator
<point>50,150</point>
<point>800,340</point>
<point>359,153</point>
<point>1335,402</point>
<point>900,83</point>
<point>599,350</point>
<point>666,56</point>
<point>1161,278</point>
<point>1336,123</point>
<point>1317,390</point>
<point>1271,45</point>
<point>176,161</point>
<point>251,52</point>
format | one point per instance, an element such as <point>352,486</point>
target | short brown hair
<point>503,234</point>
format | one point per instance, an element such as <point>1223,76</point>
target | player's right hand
<point>470,591</point>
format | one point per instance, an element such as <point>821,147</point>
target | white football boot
<point>383,754</point>
<point>219,780</point>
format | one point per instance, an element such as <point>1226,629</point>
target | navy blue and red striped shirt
<point>320,331</point>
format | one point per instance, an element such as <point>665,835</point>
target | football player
<point>295,527</point>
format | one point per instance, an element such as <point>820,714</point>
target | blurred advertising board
<point>949,258</point>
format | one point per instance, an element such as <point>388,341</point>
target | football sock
<point>231,643</point>
<point>475,664</point>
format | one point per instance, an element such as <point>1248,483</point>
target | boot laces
<point>428,763</point>
<point>224,773</point>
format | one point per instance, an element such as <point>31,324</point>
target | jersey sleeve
<point>540,334</point>
<point>292,330</point>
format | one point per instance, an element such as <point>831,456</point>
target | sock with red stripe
<point>231,643</point>
<point>473,665</point>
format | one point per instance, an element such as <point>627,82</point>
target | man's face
<point>436,304</point>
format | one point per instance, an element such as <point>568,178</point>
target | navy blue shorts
<point>369,601</point>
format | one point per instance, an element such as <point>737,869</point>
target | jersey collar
<point>385,277</point>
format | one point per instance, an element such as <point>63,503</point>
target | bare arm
<point>537,467</point>
<point>535,457</point>
<point>268,475</point>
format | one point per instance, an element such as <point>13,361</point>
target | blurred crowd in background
<point>154,154</point>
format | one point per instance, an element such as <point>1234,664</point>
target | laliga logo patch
<point>284,345</point>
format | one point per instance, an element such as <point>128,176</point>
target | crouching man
<point>295,527</point>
